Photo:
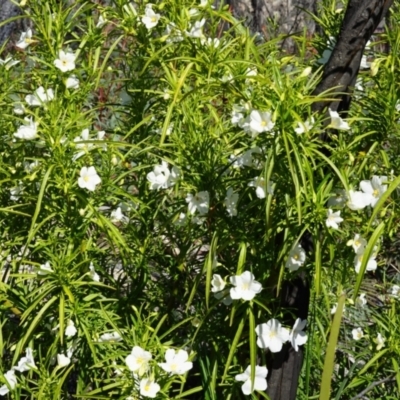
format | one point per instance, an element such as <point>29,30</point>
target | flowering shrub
<point>159,170</point>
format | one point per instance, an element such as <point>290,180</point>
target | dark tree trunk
<point>8,10</point>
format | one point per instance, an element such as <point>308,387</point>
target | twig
<point>371,386</point>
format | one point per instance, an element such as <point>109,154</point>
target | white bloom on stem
<point>88,178</point>
<point>296,259</point>
<point>230,202</point>
<point>358,243</point>
<point>246,159</point>
<point>303,127</point>
<point>72,82</point>
<point>93,274</point>
<point>238,115</point>
<point>337,122</point>
<point>26,363</point>
<point>176,362</point>
<point>338,199</point>
<point>261,187</point>
<point>217,283</point>
<point>161,177</point>
<point>260,122</point>
<point>8,62</point>
<point>260,380</point>
<point>40,96</point>
<point>245,286</point>
<point>380,341</point>
<point>199,202</point>
<point>394,291</point>
<point>374,188</point>
<point>149,388</point>
<point>196,31</point>
<point>65,61</point>
<point>358,200</point>
<point>272,335</point>
<point>25,40</point>
<point>361,301</point>
<point>101,21</point>
<point>85,147</point>
<point>28,131</point>
<point>138,360</point>
<point>110,337</point>
<point>118,216</point>
<point>174,36</point>
<point>19,108</point>
<point>11,380</point>
<point>45,269</point>
<point>297,336</point>
<point>150,18</point>
<point>334,219</point>
<point>357,333</point>
<point>70,330</point>
<point>371,264</point>
<point>63,360</point>
<point>16,192</point>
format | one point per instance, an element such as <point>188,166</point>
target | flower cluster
<point>138,362</point>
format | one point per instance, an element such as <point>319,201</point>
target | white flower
<point>199,202</point>
<point>334,219</point>
<point>25,40</point>
<point>395,290</point>
<point>176,362</point>
<point>16,192</point>
<point>358,200</point>
<point>337,122</point>
<point>245,286</point>
<point>174,35</point>
<point>72,82</point>
<point>338,199</point>
<point>306,126</point>
<point>260,122</point>
<point>88,178</point>
<point>371,264</point>
<point>26,363</point>
<point>230,202</point>
<point>364,63</point>
<point>380,341</point>
<point>118,216</point>
<point>361,301</point>
<point>196,30</point>
<point>161,177</point>
<point>11,380</point>
<point>28,131</point>
<point>272,335</point>
<point>101,22</point>
<point>261,187</point>
<point>374,188</point>
<point>357,333</point>
<point>138,360</point>
<point>238,115</point>
<point>19,109</point>
<point>260,381</point>
<point>84,136</point>
<point>149,388</point>
<point>358,243</point>
<point>62,360</point>
<point>217,283</point>
<point>45,269</point>
<point>65,61</point>
<point>212,42</point>
<point>247,159</point>
<point>39,97</point>
<point>93,274</point>
<point>297,258</point>
<point>8,62</point>
<point>297,336</point>
<point>110,337</point>
<point>70,330</point>
<point>150,18</point>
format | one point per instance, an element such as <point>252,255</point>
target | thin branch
<point>372,385</point>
